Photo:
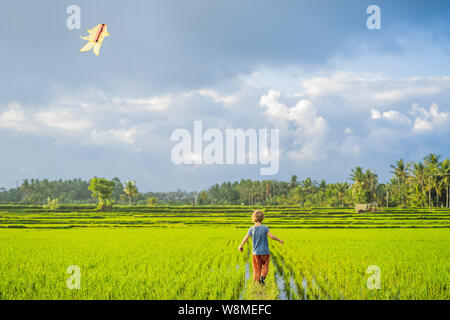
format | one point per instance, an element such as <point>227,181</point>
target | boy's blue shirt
<point>259,239</point>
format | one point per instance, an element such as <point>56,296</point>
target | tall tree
<point>444,172</point>
<point>293,182</point>
<point>432,164</point>
<point>131,191</point>
<point>102,189</point>
<point>401,172</point>
<point>418,183</point>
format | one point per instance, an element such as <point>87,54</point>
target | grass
<point>284,217</point>
<point>414,263</point>
<point>191,253</point>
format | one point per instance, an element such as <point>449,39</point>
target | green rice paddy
<point>191,253</point>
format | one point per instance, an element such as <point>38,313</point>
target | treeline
<point>421,184</point>
<point>76,191</point>
<point>305,193</point>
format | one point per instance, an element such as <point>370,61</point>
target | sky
<point>341,94</point>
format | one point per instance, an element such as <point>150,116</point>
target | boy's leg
<point>265,264</point>
<point>256,267</point>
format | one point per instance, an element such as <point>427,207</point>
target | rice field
<point>191,253</point>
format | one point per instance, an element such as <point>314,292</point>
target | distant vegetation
<point>413,184</point>
<point>76,191</point>
<point>422,184</point>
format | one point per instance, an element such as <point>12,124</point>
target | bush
<point>104,205</point>
<point>51,204</point>
<point>152,201</point>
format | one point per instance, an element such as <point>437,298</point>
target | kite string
<point>117,62</point>
<point>120,66</point>
<point>122,69</point>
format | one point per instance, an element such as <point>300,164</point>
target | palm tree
<point>419,178</point>
<point>357,175</point>
<point>365,184</point>
<point>130,190</point>
<point>379,193</point>
<point>388,188</point>
<point>444,172</point>
<point>370,184</point>
<point>393,189</point>
<point>340,189</point>
<point>432,164</point>
<point>307,186</point>
<point>293,182</point>
<point>401,172</point>
<point>433,159</point>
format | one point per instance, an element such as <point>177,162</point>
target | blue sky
<point>341,95</point>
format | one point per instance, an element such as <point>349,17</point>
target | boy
<point>261,254</point>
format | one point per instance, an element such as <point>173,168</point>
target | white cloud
<point>423,120</point>
<point>63,119</point>
<point>96,118</point>
<point>350,146</point>
<point>214,95</point>
<point>156,103</point>
<point>391,115</point>
<point>375,114</point>
<point>15,119</point>
<point>276,112</point>
<point>310,130</point>
<point>396,116</point>
<point>421,125</point>
<point>429,120</point>
<point>371,88</point>
<point>112,137</point>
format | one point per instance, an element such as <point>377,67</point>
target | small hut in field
<point>366,207</point>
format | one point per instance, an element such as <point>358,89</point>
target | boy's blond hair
<point>258,216</point>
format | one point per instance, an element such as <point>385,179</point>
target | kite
<point>95,38</point>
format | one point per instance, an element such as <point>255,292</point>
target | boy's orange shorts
<point>260,265</point>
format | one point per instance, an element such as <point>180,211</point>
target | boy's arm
<point>275,237</point>
<point>243,242</point>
